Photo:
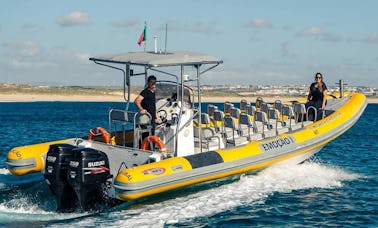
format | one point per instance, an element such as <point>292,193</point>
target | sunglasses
<point>318,77</point>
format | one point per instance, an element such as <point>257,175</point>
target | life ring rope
<point>99,131</point>
<point>155,139</point>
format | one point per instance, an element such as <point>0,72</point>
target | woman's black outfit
<point>315,99</point>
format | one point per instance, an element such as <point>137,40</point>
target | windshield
<point>172,90</point>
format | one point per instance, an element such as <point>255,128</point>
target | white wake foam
<point>248,190</point>
<point>4,171</point>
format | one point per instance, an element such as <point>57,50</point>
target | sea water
<point>337,187</point>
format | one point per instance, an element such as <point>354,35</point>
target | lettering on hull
<point>278,144</point>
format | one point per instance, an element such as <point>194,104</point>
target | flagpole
<point>145,34</point>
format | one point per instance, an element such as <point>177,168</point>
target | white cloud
<point>372,39</point>
<point>26,55</point>
<point>23,49</point>
<point>18,64</point>
<point>260,23</point>
<point>82,57</point>
<point>311,31</point>
<point>317,32</point>
<point>74,18</point>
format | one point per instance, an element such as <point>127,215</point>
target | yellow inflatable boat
<point>191,145</point>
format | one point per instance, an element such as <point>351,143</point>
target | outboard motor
<point>57,161</point>
<point>88,173</point>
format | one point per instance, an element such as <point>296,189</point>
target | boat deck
<point>233,127</point>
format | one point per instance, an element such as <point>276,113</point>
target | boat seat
<point>205,119</point>
<point>259,100</point>
<point>262,125</point>
<point>246,126</point>
<point>274,120</point>
<point>208,138</point>
<point>210,110</point>
<point>251,110</point>
<point>142,127</point>
<point>227,108</point>
<point>287,116</point>
<point>122,117</point>
<point>218,121</point>
<point>264,107</point>
<point>278,105</point>
<point>232,134</point>
<point>235,112</point>
<point>243,106</point>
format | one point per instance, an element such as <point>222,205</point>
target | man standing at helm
<point>146,101</point>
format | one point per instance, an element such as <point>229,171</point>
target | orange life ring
<point>99,130</point>
<point>155,139</point>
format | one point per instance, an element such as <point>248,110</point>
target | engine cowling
<point>57,161</point>
<point>88,173</point>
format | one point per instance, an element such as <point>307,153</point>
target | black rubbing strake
<point>204,159</point>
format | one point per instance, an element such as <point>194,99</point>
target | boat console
<point>176,131</point>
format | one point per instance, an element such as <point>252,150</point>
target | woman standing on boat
<point>317,97</point>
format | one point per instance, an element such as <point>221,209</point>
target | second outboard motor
<point>57,161</point>
<point>88,173</point>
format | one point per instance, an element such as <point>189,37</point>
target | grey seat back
<point>246,126</point>
<point>299,108</point>
<point>119,115</point>
<point>259,100</point>
<point>218,115</point>
<point>287,113</point>
<point>264,107</point>
<point>243,106</point>
<point>205,119</point>
<point>229,122</point>
<point>299,112</point>
<point>274,115</point>
<point>261,116</point>
<point>232,134</point>
<point>227,108</point>
<point>218,120</point>
<point>142,119</point>
<point>210,110</point>
<point>251,110</point>
<point>207,133</point>
<point>245,119</point>
<point>235,112</point>
<point>278,105</point>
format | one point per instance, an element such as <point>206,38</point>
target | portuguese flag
<point>143,36</point>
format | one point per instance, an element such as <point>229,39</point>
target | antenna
<point>166,35</point>
<point>155,41</point>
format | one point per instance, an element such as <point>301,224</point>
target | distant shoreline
<point>119,98</point>
<point>31,93</point>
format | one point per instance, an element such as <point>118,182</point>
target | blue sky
<point>261,42</point>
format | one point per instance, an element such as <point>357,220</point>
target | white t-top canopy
<point>151,59</point>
